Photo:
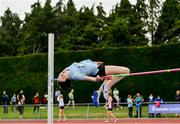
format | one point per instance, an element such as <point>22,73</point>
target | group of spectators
<point>17,102</point>
<point>138,100</point>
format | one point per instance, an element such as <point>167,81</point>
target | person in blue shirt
<point>158,102</point>
<point>89,70</point>
<point>5,100</point>
<point>138,101</point>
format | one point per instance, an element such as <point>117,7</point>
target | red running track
<point>119,121</point>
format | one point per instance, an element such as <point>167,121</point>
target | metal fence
<point>81,111</point>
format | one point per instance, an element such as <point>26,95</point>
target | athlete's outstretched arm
<point>93,79</point>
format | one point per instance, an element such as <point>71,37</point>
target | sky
<point>22,6</point>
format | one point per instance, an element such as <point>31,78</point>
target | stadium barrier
<point>88,111</point>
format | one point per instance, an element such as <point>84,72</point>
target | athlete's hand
<point>98,78</point>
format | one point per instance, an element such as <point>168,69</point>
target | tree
<point>68,20</point>
<point>83,34</point>
<point>118,28</point>
<point>128,25</point>
<point>125,9</point>
<point>118,32</point>
<point>9,33</point>
<point>138,23</point>
<point>48,18</point>
<point>70,15</point>
<point>101,23</point>
<point>169,22</point>
<point>33,37</point>
<point>60,29</point>
<point>37,25</point>
<point>154,12</point>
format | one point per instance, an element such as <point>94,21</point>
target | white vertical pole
<point>50,77</point>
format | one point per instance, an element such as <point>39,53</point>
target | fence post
<point>87,114</point>
<point>39,112</point>
<point>139,112</point>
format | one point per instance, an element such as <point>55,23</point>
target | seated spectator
<point>158,102</point>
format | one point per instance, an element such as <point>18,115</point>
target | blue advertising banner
<point>164,108</point>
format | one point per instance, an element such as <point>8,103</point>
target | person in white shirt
<point>116,96</point>
<point>57,93</point>
<point>61,107</point>
<point>71,99</point>
<point>13,102</point>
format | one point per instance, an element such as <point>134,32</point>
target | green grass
<point>80,112</point>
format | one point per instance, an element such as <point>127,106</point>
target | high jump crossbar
<point>141,73</point>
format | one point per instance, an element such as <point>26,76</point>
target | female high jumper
<point>89,70</point>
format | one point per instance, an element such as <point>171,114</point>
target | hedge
<point>30,72</point>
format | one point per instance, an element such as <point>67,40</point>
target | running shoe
<point>115,120</point>
<point>96,98</point>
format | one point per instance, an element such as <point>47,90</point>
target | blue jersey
<point>138,101</point>
<point>81,69</point>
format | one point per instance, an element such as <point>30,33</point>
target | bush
<point>30,72</point>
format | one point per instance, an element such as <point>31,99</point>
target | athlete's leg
<point>110,70</point>
<point>68,103</point>
<point>60,115</point>
<point>96,94</point>
<point>73,103</point>
<point>107,84</point>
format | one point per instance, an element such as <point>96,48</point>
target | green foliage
<point>30,72</point>
<point>34,37</point>
<point>118,31</point>
<point>168,27</point>
<point>9,33</point>
<point>153,11</point>
<point>37,25</point>
<point>126,25</point>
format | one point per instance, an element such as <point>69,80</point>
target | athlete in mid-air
<point>89,70</point>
